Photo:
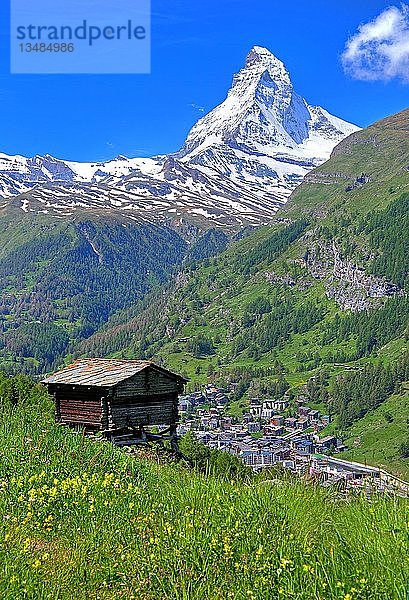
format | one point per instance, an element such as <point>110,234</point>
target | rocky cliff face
<point>345,281</point>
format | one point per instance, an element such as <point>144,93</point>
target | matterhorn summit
<point>264,133</point>
<point>238,165</point>
<point>262,111</point>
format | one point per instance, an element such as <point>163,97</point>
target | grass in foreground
<point>80,519</point>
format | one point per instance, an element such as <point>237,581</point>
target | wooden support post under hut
<point>129,401</point>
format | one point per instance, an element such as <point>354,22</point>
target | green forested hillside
<point>256,305</point>
<point>61,279</point>
<point>382,435</point>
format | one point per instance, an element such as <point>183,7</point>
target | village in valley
<point>266,436</point>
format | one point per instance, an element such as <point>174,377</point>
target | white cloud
<point>380,49</point>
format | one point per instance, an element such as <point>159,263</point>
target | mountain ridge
<point>238,165</point>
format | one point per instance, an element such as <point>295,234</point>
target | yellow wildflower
<point>284,562</point>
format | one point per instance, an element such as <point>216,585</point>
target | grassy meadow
<point>80,519</point>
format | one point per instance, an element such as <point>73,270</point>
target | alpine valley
<point>80,241</point>
<point>313,307</point>
<point>183,258</point>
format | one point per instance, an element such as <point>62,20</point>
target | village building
<point>279,405</point>
<point>303,423</point>
<point>255,410</point>
<point>273,430</point>
<point>327,442</point>
<point>253,426</point>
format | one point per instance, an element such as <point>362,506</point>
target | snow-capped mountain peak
<point>263,113</point>
<point>263,81</point>
<point>239,163</point>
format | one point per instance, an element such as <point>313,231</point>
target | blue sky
<point>196,49</point>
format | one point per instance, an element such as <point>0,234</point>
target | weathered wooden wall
<point>147,398</point>
<point>143,410</point>
<point>148,382</point>
<point>78,406</point>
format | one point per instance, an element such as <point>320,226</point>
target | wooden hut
<point>121,398</point>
